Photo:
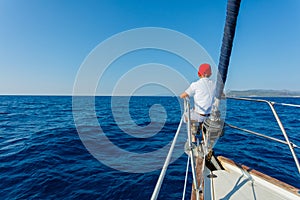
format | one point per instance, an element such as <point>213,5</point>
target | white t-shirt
<point>203,93</point>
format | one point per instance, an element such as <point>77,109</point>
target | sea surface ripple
<point>42,156</point>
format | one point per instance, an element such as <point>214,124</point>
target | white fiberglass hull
<point>239,182</point>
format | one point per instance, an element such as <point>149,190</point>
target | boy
<point>203,93</point>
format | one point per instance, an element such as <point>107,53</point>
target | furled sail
<point>213,126</point>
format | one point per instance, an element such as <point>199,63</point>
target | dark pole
<point>233,7</point>
<point>213,126</point>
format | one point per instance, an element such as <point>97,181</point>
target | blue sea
<point>42,155</point>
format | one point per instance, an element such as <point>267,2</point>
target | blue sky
<point>44,42</point>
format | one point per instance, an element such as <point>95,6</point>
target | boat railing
<point>166,164</point>
<point>186,117</point>
<point>271,105</point>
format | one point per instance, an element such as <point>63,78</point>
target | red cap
<point>204,69</point>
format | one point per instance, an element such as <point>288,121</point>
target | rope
<point>287,104</point>
<point>166,164</point>
<point>262,135</point>
<point>186,177</point>
<point>262,100</point>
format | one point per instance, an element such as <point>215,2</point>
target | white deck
<point>236,183</point>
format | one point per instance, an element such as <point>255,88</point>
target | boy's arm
<point>184,95</point>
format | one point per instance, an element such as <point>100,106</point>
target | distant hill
<point>263,93</point>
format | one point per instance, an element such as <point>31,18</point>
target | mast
<point>233,7</point>
<point>213,125</point>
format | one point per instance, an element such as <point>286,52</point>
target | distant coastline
<point>232,93</point>
<point>263,93</point>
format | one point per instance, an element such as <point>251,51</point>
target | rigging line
<point>287,104</point>
<point>262,100</point>
<point>262,135</point>
<point>247,99</point>
<point>166,164</point>
<point>186,176</point>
